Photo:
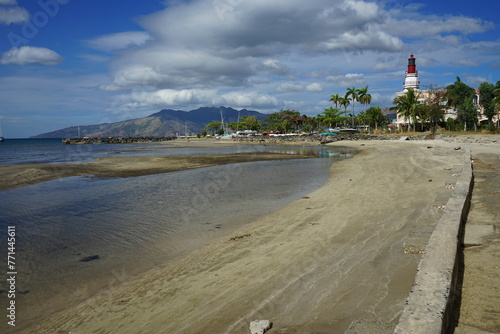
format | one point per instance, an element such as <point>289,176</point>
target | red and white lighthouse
<point>411,79</point>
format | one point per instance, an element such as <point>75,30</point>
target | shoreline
<point>19,175</point>
<point>380,196</point>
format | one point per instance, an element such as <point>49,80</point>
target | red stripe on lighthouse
<point>411,65</point>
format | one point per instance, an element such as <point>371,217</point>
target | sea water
<point>132,224</point>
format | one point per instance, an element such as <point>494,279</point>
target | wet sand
<point>12,176</point>
<point>331,260</point>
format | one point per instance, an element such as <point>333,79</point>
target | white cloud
<point>273,66</point>
<point>350,79</point>
<point>297,87</point>
<point>119,41</point>
<point>371,39</point>
<point>30,55</point>
<point>464,63</point>
<point>10,13</point>
<point>147,100</point>
<point>246,100</point>
<point>314,87</point>
<point>207,44</point>
<point>418,27</point>
<point>136,77</point>
<point>474,80</point>
<point>290,87</point>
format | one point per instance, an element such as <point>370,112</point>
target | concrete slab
<point>440,201</point>
<point>450,183</point>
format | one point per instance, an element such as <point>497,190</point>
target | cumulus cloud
<point>119,41</point>
<point>144,100</point>
<point>370,39</point>
<point>31,55</point>
<point>206,45</point>
<point>314,87</point>
<point>350,79</point>
<point>194,45</point>
<point>297,87</point>
<point>246,100</point>
<point>273,66</point>
<point>10,13</point>
<point>290,87</point>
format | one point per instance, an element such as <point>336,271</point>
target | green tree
<point>332,116</point>
<point>275,120</point>
<point>406,106</point>
<point>450,124</point>
<point>335,99</point>
<point>458,93</point>
<point>486,100</point>
<point>496,103</point>
<point>364,97</point>
<point>344,102</point>
<point>467,115</point>
<point>434,107</point>
<point>250,123</point>
<point>375,117</point>
<point>213,126</point>
<point>460,97</point>
<point>353,93</point>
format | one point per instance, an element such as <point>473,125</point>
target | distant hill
<point>166,122</point>
<point>390,113</point>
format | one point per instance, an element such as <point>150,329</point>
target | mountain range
<point>164,123</point>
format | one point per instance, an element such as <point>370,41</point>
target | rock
<point>260,326</point>
<point>90,258</point>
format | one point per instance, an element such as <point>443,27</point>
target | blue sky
<point>70,62</point>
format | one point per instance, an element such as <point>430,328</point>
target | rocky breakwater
<point>323,139</point>
<point>113,140</point>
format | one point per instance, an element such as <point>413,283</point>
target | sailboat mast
<point>222,121</point>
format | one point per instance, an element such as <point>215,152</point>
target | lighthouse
<point>411,79</point>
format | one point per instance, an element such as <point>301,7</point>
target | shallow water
<point>135,224</point>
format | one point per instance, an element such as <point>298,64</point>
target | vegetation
<point>374,118</point>
<point>406,106</point>
<point>487,100</point>
<point>433,109</point>
<point>422,110</point>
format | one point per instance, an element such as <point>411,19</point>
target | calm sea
<point>132,224</point>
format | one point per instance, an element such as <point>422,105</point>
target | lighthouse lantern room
<point>411,79</point>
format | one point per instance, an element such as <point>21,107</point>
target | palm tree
<point>406,105</point>
<point>343,101</point>
<point>364,97</point>
<point>375,116</point>
<point>353,93</point>
<point>335,99</point>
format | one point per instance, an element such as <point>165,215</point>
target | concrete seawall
<point>429,304</point>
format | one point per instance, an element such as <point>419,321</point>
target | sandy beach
<point>331,261</point>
